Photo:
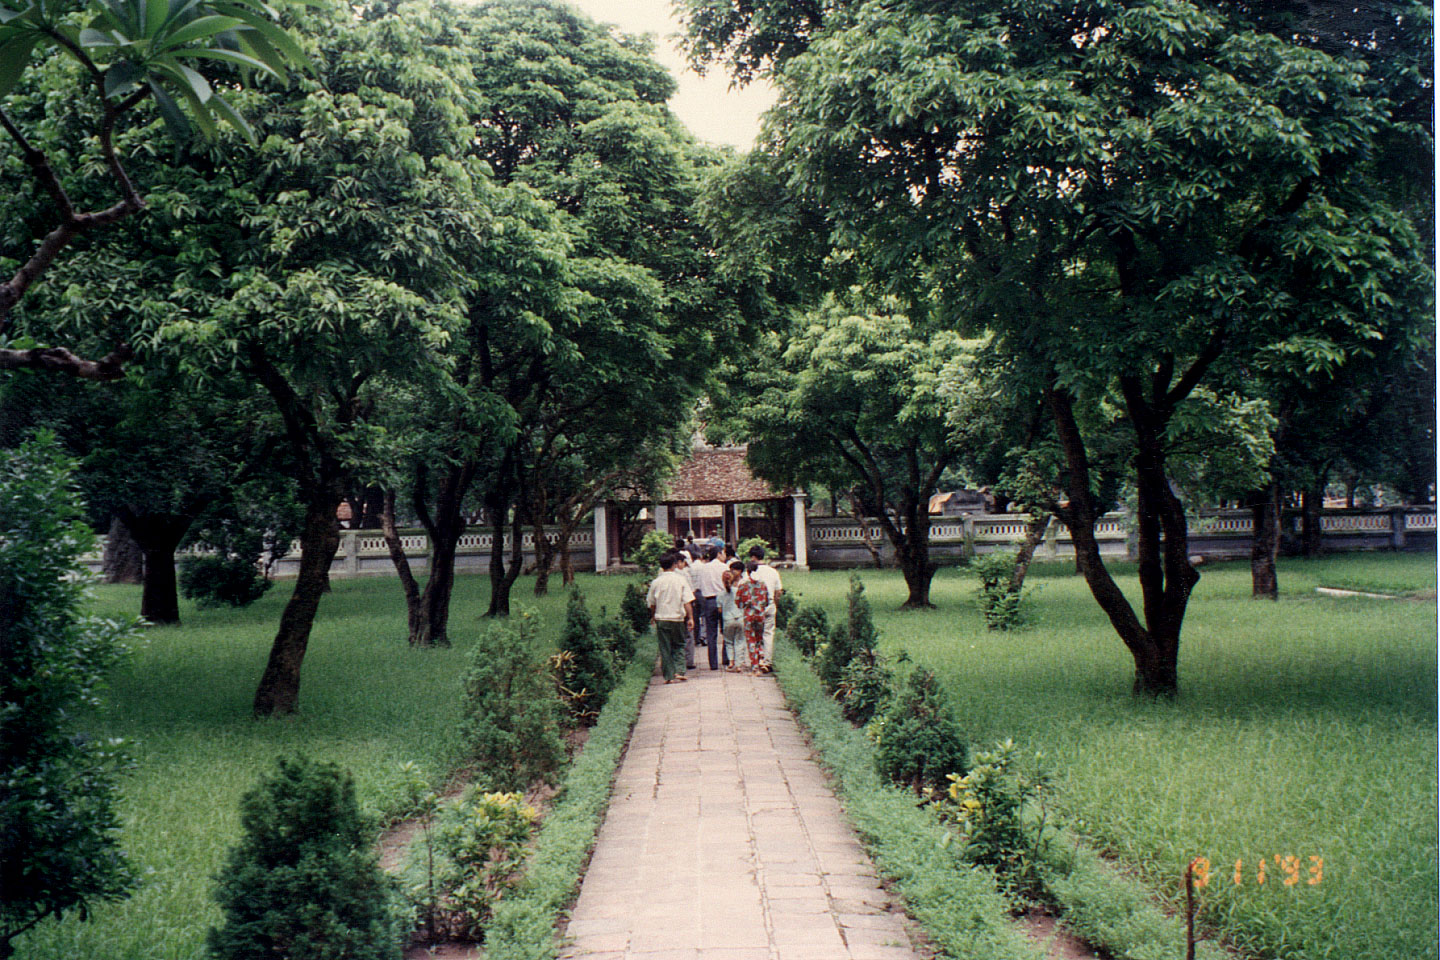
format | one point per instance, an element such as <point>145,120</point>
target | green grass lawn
<point>367,702</point>
<point>1306,727</point>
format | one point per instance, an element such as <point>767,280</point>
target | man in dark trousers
<point>708,584</point>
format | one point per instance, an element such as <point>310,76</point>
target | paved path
<point>724,842</point>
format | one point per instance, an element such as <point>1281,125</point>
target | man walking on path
<point>674,615</point>
<point>686,570</point>
<point>708,577</point>
<point>769,576</point>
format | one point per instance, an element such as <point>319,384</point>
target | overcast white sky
<point>706,105</point>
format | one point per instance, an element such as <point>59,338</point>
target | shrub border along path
<point>957,903</point>
<point>524,925</point>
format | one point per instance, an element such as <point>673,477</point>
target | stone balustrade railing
<point>838,541</point>
<point>364,553</point>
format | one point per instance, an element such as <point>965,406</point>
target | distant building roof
<point>718,475</point>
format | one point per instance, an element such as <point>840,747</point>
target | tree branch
<point>59,360</point>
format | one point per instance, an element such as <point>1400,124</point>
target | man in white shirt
<point>670,600</point>
<point>687,570</point>
<point>708,585</point>
<point>769,576</point>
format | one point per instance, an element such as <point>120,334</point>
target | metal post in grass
<point>1190,870</point>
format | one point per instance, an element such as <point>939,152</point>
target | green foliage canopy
<point>1136,198</point>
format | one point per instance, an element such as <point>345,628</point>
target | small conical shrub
<point>850,638</point>
<point>919,741</point>
<point>809,628</point>
<point>304,881</point>
<point>618,638</point>
<point>865,687</point>
<point>588,670</point>
<point>633,609</point>
<point>511,728</point>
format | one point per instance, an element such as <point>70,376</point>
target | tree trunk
<point>158,536</point>
<point>402,565</point>
<point>434,627</point>
<point>1312,502</point>
<point>124,558</point>
<point>1165,579</point>
<point>1265,547</point>
<point>913,553</point>
<point>544,559</point>
<point>445,526</point>
<point>1166,576</point>
<point>918,573</point>
<point>567,569</point>
<point>503,576</point>
<point>1034,532</point>
<point>279,690</point>
<point>859,515</point>
<point>499,589</point>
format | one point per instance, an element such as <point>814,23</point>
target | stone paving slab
<point>723,841</point>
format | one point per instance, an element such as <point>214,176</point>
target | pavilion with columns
<point>705,499</point>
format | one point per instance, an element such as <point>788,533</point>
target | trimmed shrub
<point>213,581</point>
<point>647,555</point>
<point>58,846</point>
<point>1003,606</point>
<point>584,670</point>
<point>855,635</point>
<point>511,727</point>
<point>785,606</point>
<point>918,740</point>
<point>467,861</point>
<point>743,547</point>
<point>808,628</point>
<point>865,687</point>
<point>304,881</point>
<point>633,609</point>
<point>618,638</point>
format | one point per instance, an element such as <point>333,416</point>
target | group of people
<point>707,596</point>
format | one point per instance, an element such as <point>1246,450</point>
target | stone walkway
<point>724,842</point>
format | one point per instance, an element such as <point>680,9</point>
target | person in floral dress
<point>753,598</point>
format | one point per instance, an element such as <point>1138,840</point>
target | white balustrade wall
<point>363,553</point>
<point>838,542</point>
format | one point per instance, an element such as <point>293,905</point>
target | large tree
<point>619,307</point>
<point>853,400</point>
<point>319,268</point>
<point>1136,198</point>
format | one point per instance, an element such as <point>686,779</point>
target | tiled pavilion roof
<point>718,475</point>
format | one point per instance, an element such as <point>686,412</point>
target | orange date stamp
<point>1286,870</point>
